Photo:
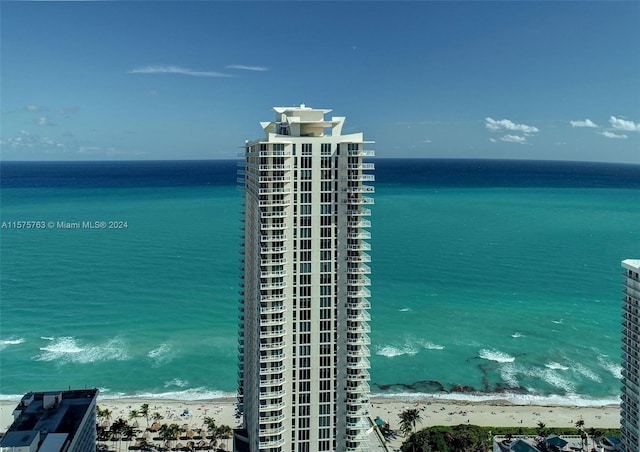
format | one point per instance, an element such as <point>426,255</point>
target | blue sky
<point>191,80</point>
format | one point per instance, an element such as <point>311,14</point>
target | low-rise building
<point>53,421</point>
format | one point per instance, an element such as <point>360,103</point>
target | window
<point>307,149</point>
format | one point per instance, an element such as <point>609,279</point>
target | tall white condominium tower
<point>630,421</point>
<point>303,356</point>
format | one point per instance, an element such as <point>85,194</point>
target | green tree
<point>210,424</point>
<point>144,412</point>
<point>408,419</point>
<point>542,428</point>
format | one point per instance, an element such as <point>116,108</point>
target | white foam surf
<point>496,355</point>
<point>614,369</point>
<point>4,343</point>
<point>555,366</point>
<point>66,350</point>
<point>391,351</point>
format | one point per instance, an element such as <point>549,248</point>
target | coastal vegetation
<point>472,438</point>
<point>165,436</point>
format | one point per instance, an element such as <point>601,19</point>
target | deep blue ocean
<point>490,278</point>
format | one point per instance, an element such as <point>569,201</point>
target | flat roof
<point>632,264</point>
<point>47,413</point>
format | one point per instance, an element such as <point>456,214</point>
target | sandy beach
<point>433,412</point>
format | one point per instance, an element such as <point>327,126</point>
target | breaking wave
<point>496,355</point>
<point>70,350</point>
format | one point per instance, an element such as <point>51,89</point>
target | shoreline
<point>191,414</point>
<point>434,410</point>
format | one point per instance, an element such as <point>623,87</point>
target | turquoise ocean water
<point>497,278</point>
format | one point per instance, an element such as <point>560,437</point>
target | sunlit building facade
<point>630,397</point>
<point>303,315</point>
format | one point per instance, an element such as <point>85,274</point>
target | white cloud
<point>586,123</point>
<point>247,68</point>
<point>514,139</point>
<point>44,121</point>
<point>176,70</point>
<point>506,124</point>
<point>33,107</point>
<point>26,141</point>
<point>623,124</point>
<point>614,135</point>
<point>493,140</point>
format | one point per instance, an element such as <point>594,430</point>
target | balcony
<point>362,339</point>
<point>274,179</point>
<point>273,309</point>
<point>362,328</point>
<point>271,406</point>
<point>361,178</point>
<point>361,293</point>
<point>272,358</point>
<point>361,153</point>
<point>271,419</point>
<point>274,202</point>
<point>273,285</point>
<point>274,191</point>
<point>359,235</point>
<point>273,249</point>
<point>359,303</point>
<point>272,226</point>
<point>359,212</point>
<point>358,200</point>
<point>362,281</point>
<point>359,364</point>
<point>274,167</point>
<point>361,166</point>
<point>276,214</point>
<point>276,297</point>
<point>272,346</point>
<point>272,370</point>
<point>359,269</point>
<point>272,395</point>
<point>363,257</point>
<point>271,431</point>
<point>271,443</point>
<point>363,316</point>
<point>273,238</point>
<point>272,382</point>
<point>268,334</point>
<point>363,352</point>
<point>273,322</point>
<point>361,376</point>
<point>359,224</point>
<point>281,261</point>
<point>273,273</point>
<point>360,189</point>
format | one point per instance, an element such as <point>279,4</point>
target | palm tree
<point>595,434</point>
<point>541,428</point>
<point>144,412</point>
<point>170,432</point>
<point>103,414</point>
<point>408,419</point>
<point>583,435</point>
<point>210,423</point>
<point>120,427</point>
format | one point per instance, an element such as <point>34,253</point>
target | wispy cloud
<point>586,123</point>
<point>176,70</point>
<point>506,124</point>
<point>33,107</point>
<point>623,124</point>
<point>247,68</point>
<point>614,135</point>
<point>514,139</point>
<point>44,121</point>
